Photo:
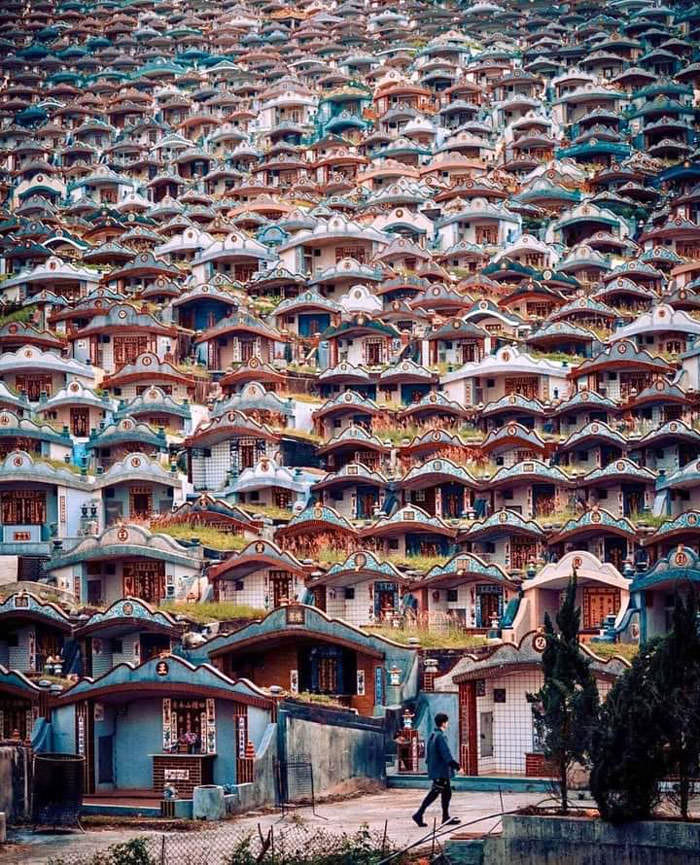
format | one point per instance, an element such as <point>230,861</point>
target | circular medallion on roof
<point>147,361</point>
<point>231,416</point>
<point>620,465</point>
<point>512,399</point>
<point>264,465</point>
<point>681,559</point>
<point>506,356</point>
<point>594,427</point>
<point>682,294</point>
<point>74,387</point>
<point>399,213</point>
<point>673,426</point>
<point>143,256</point>
<point>126,424</point>
<point>512,430</point>
<point>547,274</point>
<point>127,608</point>
<point>585,395</point>
<point>692,519</point>
<point>318,512</point>
<point>539,643</point>
<point>4,420</point>
<point>28,353</point>
<point>483,304</point>
<point>123,534</point>
<point>436,436</point>
<point>503,517</point>
<point>360,561</point>
<point>136,462</point>
<point>17,461</point>
<point>596,517</point>
<point>348,397</point>
<point>98,304</point>
<point>437,465</point>
<point>260,547</point>
<point>122,313</point>
<point>343,366</point>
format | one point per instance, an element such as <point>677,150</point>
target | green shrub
<point>132,852</point>
<point>565,708</point>
<point>626,748</point>
<point>317,848</point>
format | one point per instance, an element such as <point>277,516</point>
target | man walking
<point>441,768</point>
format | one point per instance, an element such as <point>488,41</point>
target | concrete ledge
<point>530,840</point>
<point>474,783</point>
<point>121,810</point>
<point>659,834</point>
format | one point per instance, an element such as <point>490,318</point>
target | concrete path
<point>392,806</point>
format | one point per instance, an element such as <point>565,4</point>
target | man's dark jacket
<point>441,763</point>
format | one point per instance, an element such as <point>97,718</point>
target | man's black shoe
<point>451,821</point>
<point>418,820</point>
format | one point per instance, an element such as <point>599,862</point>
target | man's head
<point>441,721</point>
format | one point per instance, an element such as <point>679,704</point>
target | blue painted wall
<point>63,730</point>
<point>139,733</point>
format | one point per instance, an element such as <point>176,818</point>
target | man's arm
<point>446,754</point>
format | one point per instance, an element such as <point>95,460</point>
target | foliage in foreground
<point>565,708</point>
<point>321,848</point>
<point>626,750</point>
<point>649,728</point>
<point>132,852</point>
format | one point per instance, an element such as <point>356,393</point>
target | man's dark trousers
<point>441,787</point>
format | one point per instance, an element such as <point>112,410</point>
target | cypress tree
<point>565,709</point>
<point>627,747</point>
<point>676,677</point>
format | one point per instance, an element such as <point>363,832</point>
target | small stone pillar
<point>430,671</point>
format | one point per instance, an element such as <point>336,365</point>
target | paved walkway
<point>392,806</point>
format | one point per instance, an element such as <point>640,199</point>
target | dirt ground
<point>390,808</point>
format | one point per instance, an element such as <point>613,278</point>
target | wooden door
<point>140,501</point>
<point>328,675</point>
<point>128,348</point>
<point>424,499</point>
<point>80,421</point>
<point>467,728</point>
<point>281,583</point>
<point>319,593</point>
<point>144,579</point>
<point>521,551</point>
<point>15,718</point>
<point>597,604</point>
<point>489,604</point>
<point>34,385</point>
